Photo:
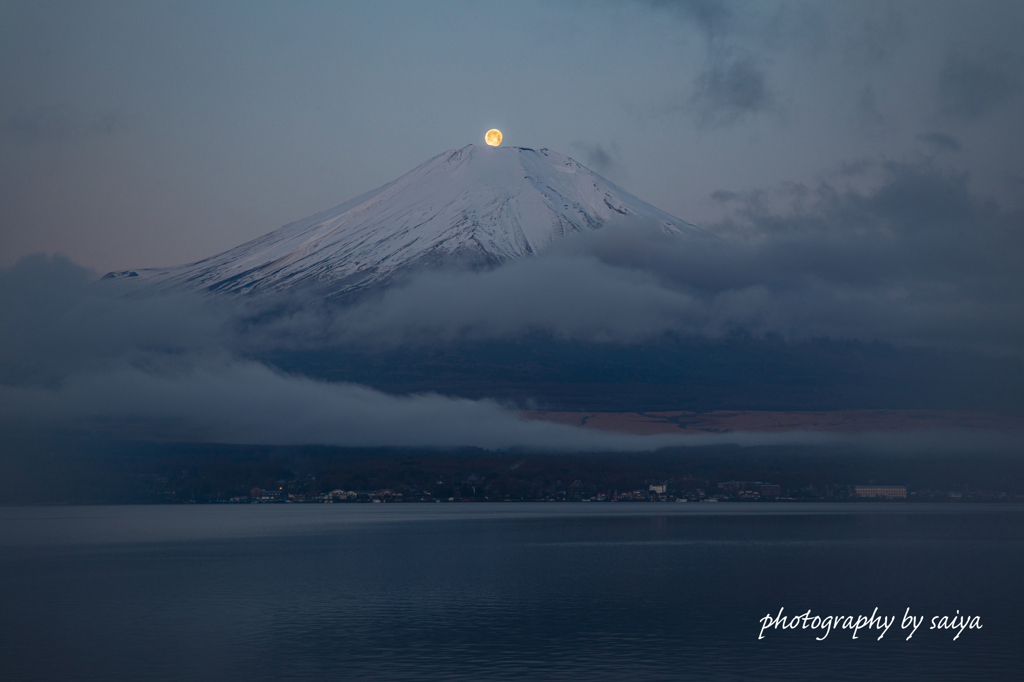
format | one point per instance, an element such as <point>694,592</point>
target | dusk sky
<point>151,134</point>
<point>863,164</point>
<point>768,253</point>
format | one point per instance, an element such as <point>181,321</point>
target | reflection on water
<point>517,591</point>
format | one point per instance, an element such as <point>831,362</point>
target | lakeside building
<point>751,490</point>
<point>267,495</point>
<point>891,491</point>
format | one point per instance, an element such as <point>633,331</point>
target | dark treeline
<point>739,372</point>
<point>70,470</point>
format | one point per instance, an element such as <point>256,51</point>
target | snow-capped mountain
<point>475,205</point>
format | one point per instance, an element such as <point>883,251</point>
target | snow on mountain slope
<point>476,205</point>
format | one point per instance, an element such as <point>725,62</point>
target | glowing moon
<point>493,137</point>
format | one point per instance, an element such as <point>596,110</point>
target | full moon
<point>493,137</point>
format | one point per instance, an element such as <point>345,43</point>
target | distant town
<point>729,491</point>
<point>77,471</point>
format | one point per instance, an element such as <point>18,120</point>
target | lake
<point>558,591</point>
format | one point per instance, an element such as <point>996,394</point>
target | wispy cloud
<point>605,159</point>
<point>940,142</point>
<point>714,18</point>
<point>729,90</point>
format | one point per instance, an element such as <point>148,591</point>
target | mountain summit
<point>475,205</point>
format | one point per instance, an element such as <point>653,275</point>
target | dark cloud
<point>54,323</point>
<point>972,86</point>
<point>77,355</point>
<point>916,260</point>
<point>879,36</point>
<point>60,122</point>
<point>733,85</point>
<point>604,160</point>
<point>730,90</point>
<point>712,17</point>
<point>940,142</point>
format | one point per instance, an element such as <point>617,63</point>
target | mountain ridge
<point>475,205</point>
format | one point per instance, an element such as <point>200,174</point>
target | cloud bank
<point>897,252</point>
<point>902,253</point>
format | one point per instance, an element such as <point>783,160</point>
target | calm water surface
<point>504,591</point>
